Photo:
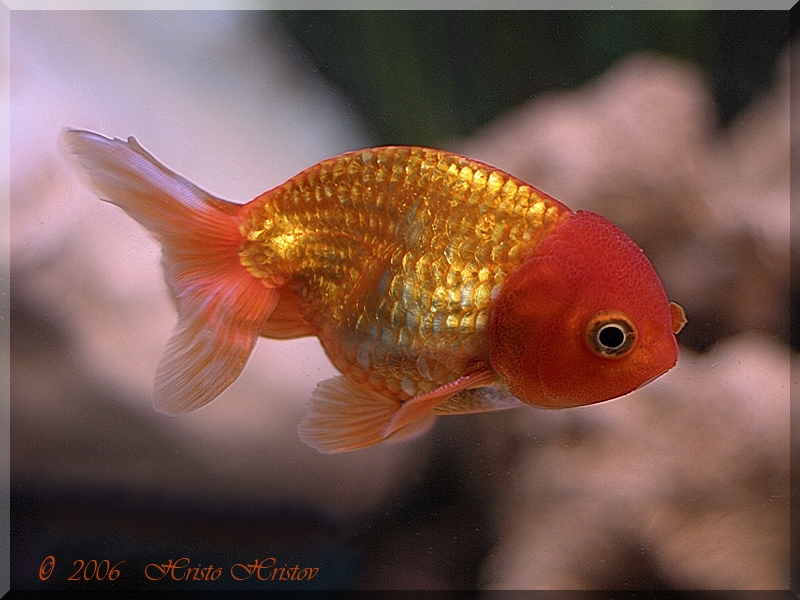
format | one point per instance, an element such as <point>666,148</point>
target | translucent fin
<point>422,405</point>
<point>286,321</point>
<point>477,400</point>
<point>343,416</point>
<point>221,306</point>
<point>218,324</point>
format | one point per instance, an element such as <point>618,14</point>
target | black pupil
<point>611,336</point>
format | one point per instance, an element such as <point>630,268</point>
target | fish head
<point>584,319</point>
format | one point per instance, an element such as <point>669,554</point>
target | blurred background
<point>675,125</point>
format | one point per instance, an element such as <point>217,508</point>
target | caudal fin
<point>221,306</point>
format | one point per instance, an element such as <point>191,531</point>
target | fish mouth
<point>678,317</point>
<point>663,350</point>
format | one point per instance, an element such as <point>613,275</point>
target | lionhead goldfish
<point>435,283</point>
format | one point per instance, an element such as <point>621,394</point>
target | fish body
<point>392,256</point>
<point>435,283</point>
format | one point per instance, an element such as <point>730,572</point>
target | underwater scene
<point>672,125</point>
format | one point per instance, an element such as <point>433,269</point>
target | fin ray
<point>488,398</point>
<point>343,416</point>
<point>221,306</point>
<point>216,332</point>
<point>424,404</point>
<point>286,321</point>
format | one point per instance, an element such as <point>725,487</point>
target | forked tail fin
<point>221,306</point>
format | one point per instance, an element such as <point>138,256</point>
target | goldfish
<point>436,285</point>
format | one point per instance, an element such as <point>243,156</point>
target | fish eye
<point>610,334</point>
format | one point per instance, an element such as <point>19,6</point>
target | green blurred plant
<point>423,77</point>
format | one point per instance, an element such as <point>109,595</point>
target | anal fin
<point>217,330</point>
<point>287,321</point>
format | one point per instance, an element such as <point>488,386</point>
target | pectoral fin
<point>344,416</point>
<point>478,400</point>
<point>423,405</point>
